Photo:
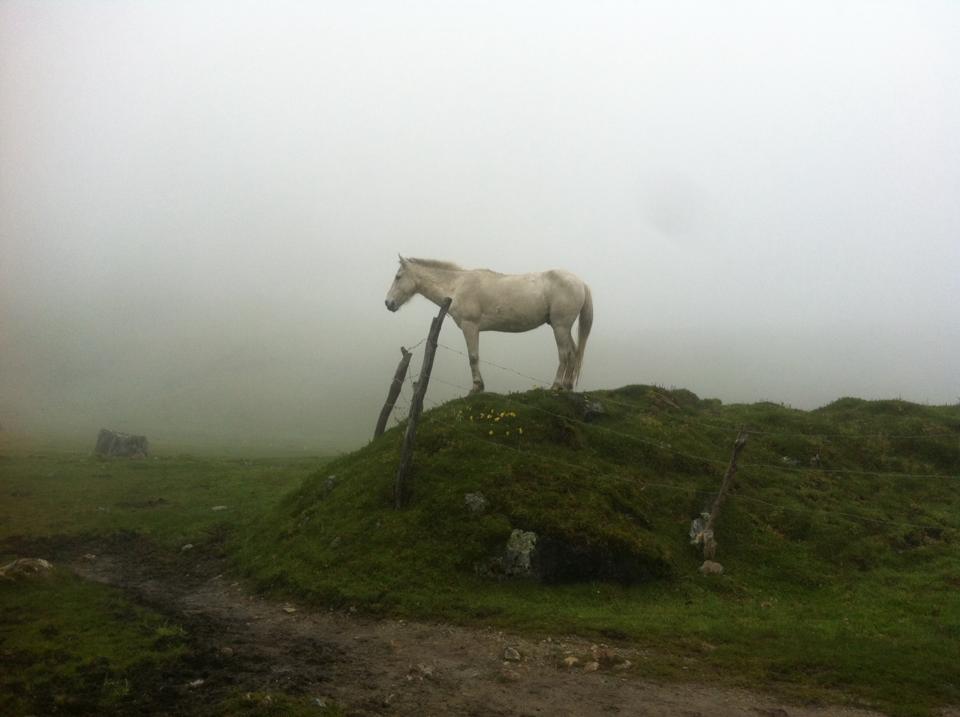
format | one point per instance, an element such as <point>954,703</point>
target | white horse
<point>484,300</point>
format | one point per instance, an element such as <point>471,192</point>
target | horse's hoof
<point>476,389</point>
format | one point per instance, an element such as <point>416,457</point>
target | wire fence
<point>668,448</point>
<point>718,425</point>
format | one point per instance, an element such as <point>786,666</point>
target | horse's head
<point>404,286</point>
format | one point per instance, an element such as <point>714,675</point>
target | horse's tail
<point>583,331</point>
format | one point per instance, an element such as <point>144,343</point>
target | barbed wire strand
<point>666,447</point>
<point>416,345</point>
<point>822,434</point>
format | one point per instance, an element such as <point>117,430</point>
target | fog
<point>202,203</point>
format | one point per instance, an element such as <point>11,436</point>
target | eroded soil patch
<point>244,643</point>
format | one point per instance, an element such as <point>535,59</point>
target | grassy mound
<point>610,483</point>
<point>842,522</point>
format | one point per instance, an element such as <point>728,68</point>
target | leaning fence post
<point>705,536</point>
<point>416,408</point>
<point>394,391</point>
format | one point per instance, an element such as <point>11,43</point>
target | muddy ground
<point>243,642</point>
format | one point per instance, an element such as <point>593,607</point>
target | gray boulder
<point>120,445</point>
<point>520,546</point>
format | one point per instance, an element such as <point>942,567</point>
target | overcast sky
<point>201,203</point>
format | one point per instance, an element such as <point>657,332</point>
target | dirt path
<point>385,667</point>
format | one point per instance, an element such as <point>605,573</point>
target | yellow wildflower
<point>520,430</point>
<point>490,434</point>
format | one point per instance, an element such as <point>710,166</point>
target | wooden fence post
<point>394,391</point>
<point>706,537</point>
<point>400,488</point>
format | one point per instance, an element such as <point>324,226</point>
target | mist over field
<point>201,204</point>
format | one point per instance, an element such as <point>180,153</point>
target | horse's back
<point>567,291</point>
<point>563,278</point>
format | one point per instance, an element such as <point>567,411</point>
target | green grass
<point>838,583</point>
<point>73,647</point>
<point>169,498</point>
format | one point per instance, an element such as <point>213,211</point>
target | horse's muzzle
<point>392,305</point>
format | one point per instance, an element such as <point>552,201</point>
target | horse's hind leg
<point>472,336</point>
<point>567,352</point>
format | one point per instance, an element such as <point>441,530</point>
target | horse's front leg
<point>471,334</point>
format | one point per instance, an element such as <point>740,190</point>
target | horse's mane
<point>436,264</point>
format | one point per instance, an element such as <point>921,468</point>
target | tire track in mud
<point>242,642</point>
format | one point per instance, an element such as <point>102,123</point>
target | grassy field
<point>839,544</point>
<point>69,646</point>
<point>170,498</point>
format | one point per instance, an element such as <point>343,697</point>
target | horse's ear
<point>402,260</point>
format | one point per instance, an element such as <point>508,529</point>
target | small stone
<point>570,661</point>
<point>476,502</point>
<point>607,657</point>
<point>591,666</point>
<point>25,567</point>
<point>509,675</point>
<point>195,683</point>
<point>289,610</point>
<point>511,654</point>
<point>226,651</point>
<point>89,556</point>
<point>218,508</point>
<point>592,409</point>
<point>185,548</point>
<point>625,665</point>
<point>709,567</point>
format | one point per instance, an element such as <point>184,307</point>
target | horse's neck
<point>437,284</point>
